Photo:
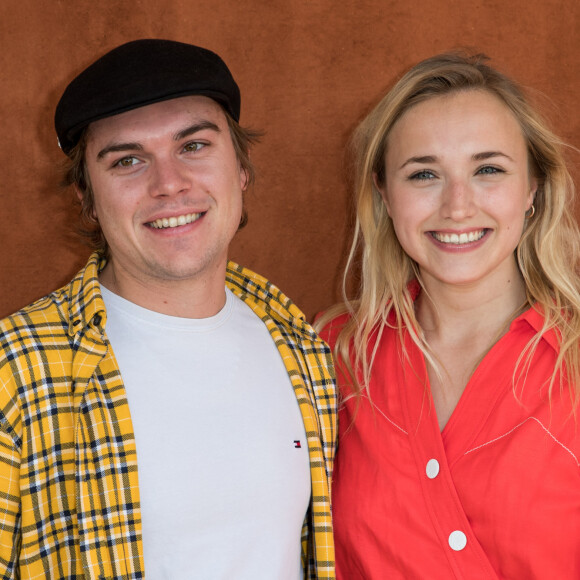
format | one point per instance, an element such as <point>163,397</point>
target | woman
<point>459,362</point>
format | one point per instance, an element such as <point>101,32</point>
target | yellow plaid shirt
<point>69,495</point>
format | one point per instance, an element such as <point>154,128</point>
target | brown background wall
<point>308,70</point>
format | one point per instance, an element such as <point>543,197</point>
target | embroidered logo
<point>297,444</point>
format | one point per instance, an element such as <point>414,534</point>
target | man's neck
<point>191,298</point>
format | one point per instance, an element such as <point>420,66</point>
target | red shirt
<point>496,494</point>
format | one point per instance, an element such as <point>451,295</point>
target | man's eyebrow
<point>195,128</point>
<point>187,132</point>
<point>116,147</point>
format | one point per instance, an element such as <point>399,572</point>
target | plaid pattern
<point>69,497</point>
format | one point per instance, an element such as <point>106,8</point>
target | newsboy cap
<point>139,73</point>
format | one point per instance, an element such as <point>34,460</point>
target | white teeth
<point>459,239</point>
<point>173,222</point>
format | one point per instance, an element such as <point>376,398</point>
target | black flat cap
<point>139,73</point>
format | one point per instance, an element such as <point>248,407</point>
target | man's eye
<point>127,162</point>
<point>194,146</point>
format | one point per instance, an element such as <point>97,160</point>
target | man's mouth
<point>174,222</point>
<point>459,239</point>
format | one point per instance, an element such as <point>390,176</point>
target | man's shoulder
<point>269,302</point>
<point>247,284</point>
<point>47,309</point>
<point>51,311</point>
<point>266,299</point>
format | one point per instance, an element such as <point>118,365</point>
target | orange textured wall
<point>308,71</point>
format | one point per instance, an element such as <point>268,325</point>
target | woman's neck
<point>455,310</point>
<point>460,324</point>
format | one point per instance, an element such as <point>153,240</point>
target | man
<point>168,410</point>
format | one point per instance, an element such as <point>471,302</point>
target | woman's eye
<point>423,175</point>
<point>489,170</point>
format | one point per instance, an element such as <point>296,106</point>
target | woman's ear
<point>382,190</point>
<point>533,190</point>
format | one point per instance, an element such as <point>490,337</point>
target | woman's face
<point>457,186</point>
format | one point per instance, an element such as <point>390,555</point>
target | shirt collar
<point>255,289</point>
<point>532,317</point>
<point>86,306</point>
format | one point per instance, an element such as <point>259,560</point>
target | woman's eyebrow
<point>420,159</point>
<point>488,155</point>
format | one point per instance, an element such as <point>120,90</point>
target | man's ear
<point>244,178</point>
<point>78,193</point>
<point>81,197</point>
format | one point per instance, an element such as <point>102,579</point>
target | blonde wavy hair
<point>547,254</point>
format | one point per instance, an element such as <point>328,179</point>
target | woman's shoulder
<point>330,325</point>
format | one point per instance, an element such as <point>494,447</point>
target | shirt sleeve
<point>9,500</point>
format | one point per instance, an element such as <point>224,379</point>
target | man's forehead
<point>171,117</point>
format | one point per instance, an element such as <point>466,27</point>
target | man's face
<point>167,190</point>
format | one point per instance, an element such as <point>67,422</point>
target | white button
<point>457,540</point>
<point>432,468</point>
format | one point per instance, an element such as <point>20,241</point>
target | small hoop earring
<point>530,213</point>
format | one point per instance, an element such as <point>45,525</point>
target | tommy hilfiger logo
<point>297,444</point>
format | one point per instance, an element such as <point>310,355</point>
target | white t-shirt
<point>223,463</point>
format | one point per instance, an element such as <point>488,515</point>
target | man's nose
<point>169,177</point>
